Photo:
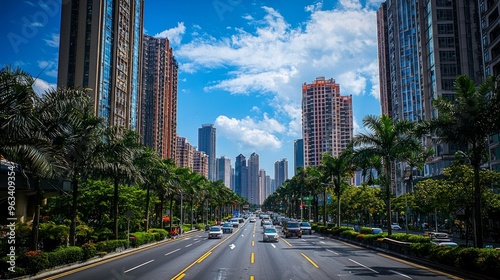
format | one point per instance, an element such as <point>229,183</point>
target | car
<point>395,226</point>
<point>377,231</point>
<point>270,235</point>
<point>227,227</point>
<point>305,227</point>
<point>252,219</point>
<point>235,222</point>
<point>439,237</point>
<point>215,232</point>
<point>266,223</point>
<point>445,244</point>
<point>292,228</point>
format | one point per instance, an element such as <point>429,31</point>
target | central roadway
<point>243,255</point>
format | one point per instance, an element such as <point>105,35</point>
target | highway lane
<point>243,255</point>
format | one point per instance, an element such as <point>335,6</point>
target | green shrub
<point>422,249</point>
<point>141,238</point>
<point>89,250</point>
<point>467,257</point>
<point>158,233</point>
<point>365,230</point>
<point>33,261</point>
<point>489,262</point>
<point>110,246</point>
<point>349,234</point>
<point>65,255</point>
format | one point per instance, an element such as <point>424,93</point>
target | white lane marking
<point>404,275</point>
<point>138,266</point>
<point>273,245</point>
<point>363,265</point>
<point>303,239</point>
<point>232,246</point>
<point>196,241</point>
<point>189,245</point>
<point>322,242</point>
<point>332,252</point>
<point>172,252</point>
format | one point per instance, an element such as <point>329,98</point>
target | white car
<point>395,226</point>
<point>270,234</point>
<point>215,232</point>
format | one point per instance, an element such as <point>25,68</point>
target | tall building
<point>184,153</point>
<point>489,11</point>
<point>223,168</point>
<point>423,47</point>
<point>200,163</point>
<point>327,124</point>
<point>280,172</point>
<point>253,187</point>
<point>298,155</point>
<point>159,96</point>
<point>100,49</point>
<point>264,185</point>
<point>240,178</point>
<point>206,143</point>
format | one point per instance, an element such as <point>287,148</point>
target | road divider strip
<point>252,258</point>
<point>311,261</point>
<point>287,243</point>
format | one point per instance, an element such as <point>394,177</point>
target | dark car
<point>292,228</point>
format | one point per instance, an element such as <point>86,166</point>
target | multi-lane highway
<point>243,255</point>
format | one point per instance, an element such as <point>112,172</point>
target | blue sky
<point>241,62</point>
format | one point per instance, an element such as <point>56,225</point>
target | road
<point>243,255</point>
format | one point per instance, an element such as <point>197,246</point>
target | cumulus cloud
<point>174,34</point>
<point>41,86</point>
<point>252,133</point>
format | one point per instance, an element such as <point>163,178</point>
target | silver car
<point>270,235</point>
<point>215,232</point>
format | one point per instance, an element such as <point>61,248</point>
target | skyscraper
<point>200,163</point>
<point>327,124</point>
<point>223,168</point>
<point>280,172</point>
<point>159,96</point>
<point>253,190</point>
<point>423,47</point>
<point>206,143</point>
<point>184,153</point>
<point>298,155</point>
<point>100,49</point>
<point>240,178</point>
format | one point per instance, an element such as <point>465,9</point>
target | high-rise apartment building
<point>298,155</point>
<point>253,190</point>
<point>264,185</point>
<point>200,163</point>
<point>100,49</point>
<point>280,172</point>
<point>159,96</point>
<point>184,153</point>
<point>206,143</point>
<point>489,11</point>
<point>423,47</point>
<point>223,168</point>
<point>240,177</point>
<point>327,122</point>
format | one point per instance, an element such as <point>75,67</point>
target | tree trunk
<point>388,194</point>
<point>147,208</point>
<point>171,211</point>
<point>115,208</point>
<point>324,207</point>
<point>478,221</point>
<point>36,219</point>
<point>72,229</point>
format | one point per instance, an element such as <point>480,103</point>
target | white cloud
<point>40,86</point>
<point>350,4</point>
<point>49,67</point>
<point>53,41</point>
<point>174,34</point>
<point>251,133</point>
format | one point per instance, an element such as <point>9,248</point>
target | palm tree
<point>337,170</point>
<point>116,162</point>
<point>389,141</point>
<point>468,120</point>
<point>68,116</point>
